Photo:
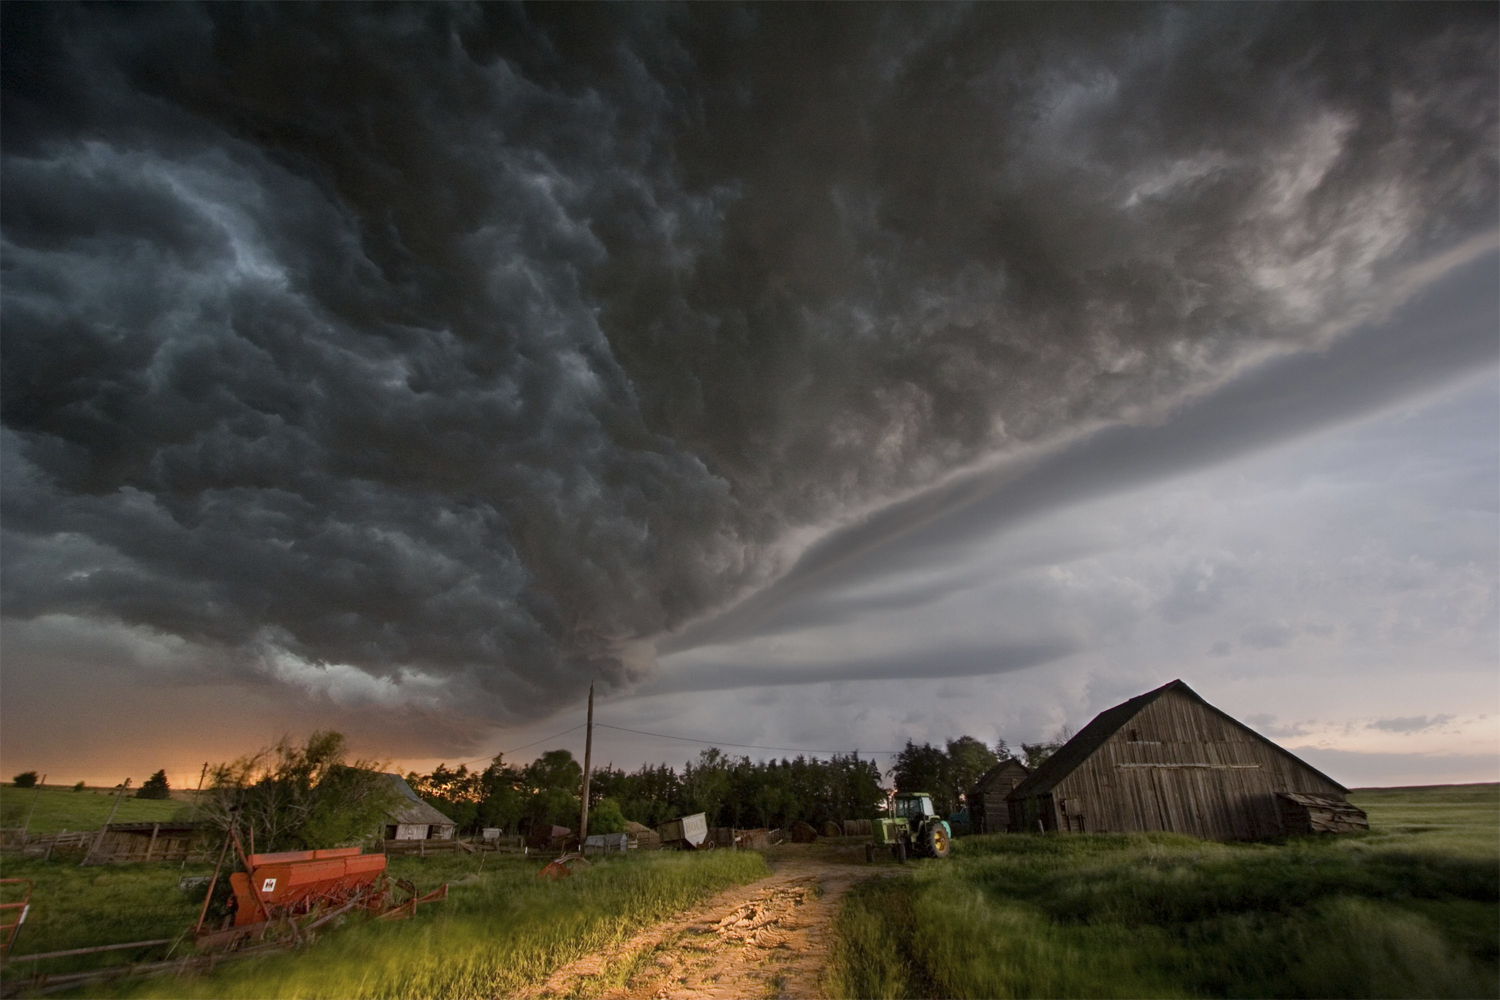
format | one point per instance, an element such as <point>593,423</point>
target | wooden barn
<point>413,819</point>
<point>986,801</point>
<point>1168,760</point>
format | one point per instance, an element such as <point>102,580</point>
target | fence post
<point>109,819</point>
<point>32,811</point>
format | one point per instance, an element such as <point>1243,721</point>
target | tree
<point>968,760</point>
<point>155,787</point>
<point>1036,753</point>
<point>26,779</point>
<point>925,768</point>
<point>289,797</point>
<point>78,787</point>
<point>554,781</point>
<point>707,785</point>
<point>502,803</point>
<point>606,817</point>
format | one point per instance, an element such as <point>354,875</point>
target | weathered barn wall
<point>1175,765</point>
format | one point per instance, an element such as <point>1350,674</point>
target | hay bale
<point>857,828</point>
<point>832,829</point>
<point>802,833</point>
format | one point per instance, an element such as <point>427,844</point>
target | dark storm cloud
<point>1444,332</point>
<point>490,343</point>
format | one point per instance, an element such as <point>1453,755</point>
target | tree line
<point>728,790</point>
<point>290,796</point>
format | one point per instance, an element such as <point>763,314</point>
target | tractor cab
<point>914,807</point>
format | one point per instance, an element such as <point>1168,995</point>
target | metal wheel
<point>935,841</point>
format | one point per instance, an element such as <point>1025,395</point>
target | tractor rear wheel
<point>935,841</point>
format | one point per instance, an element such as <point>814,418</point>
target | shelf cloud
<point>457,355</point>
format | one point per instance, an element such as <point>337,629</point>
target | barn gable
<point>1166,760</point>
<point>988,812</point>
<point>411,818</point>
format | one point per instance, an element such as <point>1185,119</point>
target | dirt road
<point>766,939</point>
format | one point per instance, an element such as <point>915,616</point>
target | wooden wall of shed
<point>120,846</point>
<point>1181,767</point>
<point>988,812</point>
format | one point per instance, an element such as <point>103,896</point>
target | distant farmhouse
<point>413,819</point>
<point>986,801</point>
<point>1168,760</point>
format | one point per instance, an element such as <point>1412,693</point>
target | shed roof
<point>1008,764</point>
<point>1110,721</point>
<point>410,808</point>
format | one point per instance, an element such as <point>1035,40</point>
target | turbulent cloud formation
<point>466,350</point>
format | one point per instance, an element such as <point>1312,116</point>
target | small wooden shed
<point>413,819</point>
<point>988,811</point>
<point>120,843</point>
<point>1168,760</point>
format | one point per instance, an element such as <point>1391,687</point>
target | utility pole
<point>588,753</point>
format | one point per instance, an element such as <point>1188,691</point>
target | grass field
<point>64,809</point>
<point>1411,909</point>
<point>499,928</point>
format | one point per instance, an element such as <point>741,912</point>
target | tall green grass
<point>1409,909</point>
<point>498,931</point>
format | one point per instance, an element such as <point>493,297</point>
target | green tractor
<point>915,830</point>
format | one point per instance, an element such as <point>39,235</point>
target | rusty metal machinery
<point>286,895</point>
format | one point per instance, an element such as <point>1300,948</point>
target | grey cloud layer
<point>491,344</point>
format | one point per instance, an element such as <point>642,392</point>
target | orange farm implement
<point>285,896</point>
<point>278,902</point>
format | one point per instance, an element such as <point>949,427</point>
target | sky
<point>806,378</point>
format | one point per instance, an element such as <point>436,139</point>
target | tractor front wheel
<point>869,854</point>
<point>898,851</point>
<point>935,841</point>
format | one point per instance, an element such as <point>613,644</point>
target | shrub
<point>26,779</point>
<point>606,817</point>
<point>78,787</point>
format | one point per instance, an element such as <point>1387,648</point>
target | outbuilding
<point>1167,760</point>
<point>988,811</point>
<point>411,818</point>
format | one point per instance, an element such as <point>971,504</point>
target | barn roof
<point>1107,723</point>
<point>995,772</point>
<point>411,809</point>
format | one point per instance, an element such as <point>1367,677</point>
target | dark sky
<point>406,368</point>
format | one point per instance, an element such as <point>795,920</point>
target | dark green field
<point>53,809</point>
<point>1411,909</point>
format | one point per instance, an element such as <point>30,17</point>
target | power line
<point>502,753</point>
<point>737,746</point>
